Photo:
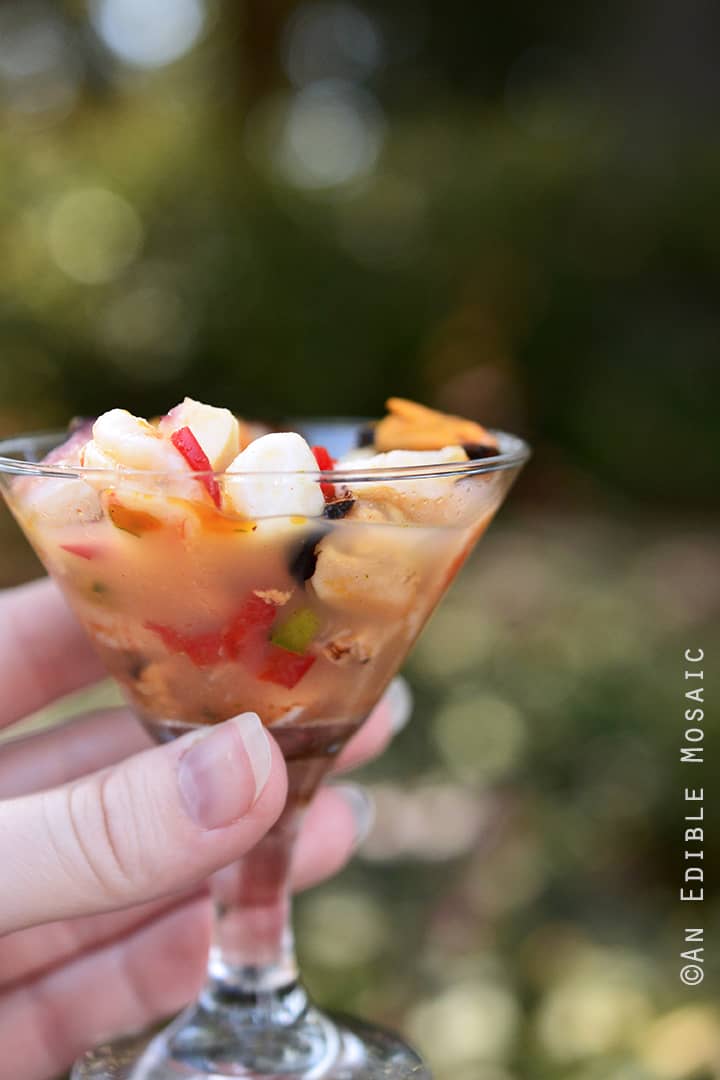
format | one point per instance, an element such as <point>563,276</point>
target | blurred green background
<point>509,211</point>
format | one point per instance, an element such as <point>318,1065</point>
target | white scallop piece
<point>268,495</point>
<point>413,492</point>
<point>133,443</point>
<point>215,429</point>
<point>371,569</point>
<point>60,501</point>
<point>123,442</point>
<point>95,458</point>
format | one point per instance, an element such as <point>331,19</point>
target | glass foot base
<point>354,1051</point>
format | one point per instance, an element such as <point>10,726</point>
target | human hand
<point>106,839</point>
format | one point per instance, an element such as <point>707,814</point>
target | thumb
<point>154,824</point>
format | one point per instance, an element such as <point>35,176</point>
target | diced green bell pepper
<point>296,633</point>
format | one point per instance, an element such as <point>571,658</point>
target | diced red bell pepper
<point>202,649</point>
<point>84,551</point>
<point>247,631</point>
<point>325,463</point>
<point>172,640</point>
<point>283,667</point>
<point>244,637</point>
<point>184,441</point>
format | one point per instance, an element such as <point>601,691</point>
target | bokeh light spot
<point>479,736</point>
<point>588,1014</point>
<point>146,330</point>
<point>683,1043</point>
<point>146,34</point>
<point>331,40</point>
<point>472,1022</point>
<point>93,234</point>
<point>324,923</point>
<point>430,821</point>
<point>39,72</point>
<point>333,133</point>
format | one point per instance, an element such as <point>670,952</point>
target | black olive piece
<point>135,664</point>
<point>475,450</point>
<point>338,509</point>
<point>304,560</point>
<point>365,435</point>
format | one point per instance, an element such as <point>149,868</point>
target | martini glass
<point>199,617</point>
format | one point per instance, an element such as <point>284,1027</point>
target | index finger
<point>44,652</point>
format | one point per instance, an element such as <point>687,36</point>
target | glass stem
<point>252,960</point>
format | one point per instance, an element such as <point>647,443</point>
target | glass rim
<point>513,451</point>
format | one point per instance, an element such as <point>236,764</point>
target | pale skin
<point>104,914</point>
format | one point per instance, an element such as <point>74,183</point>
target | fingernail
<point>362,807</point>
<point>224,771</point>
<point>399,701</point>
